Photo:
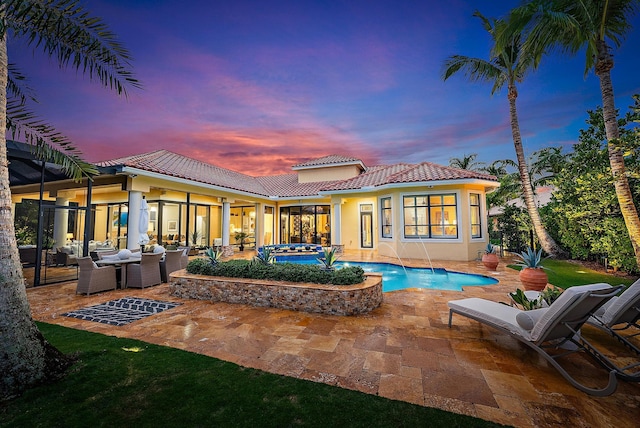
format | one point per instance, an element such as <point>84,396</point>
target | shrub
<point>266,256</point>
<point>291,272</point>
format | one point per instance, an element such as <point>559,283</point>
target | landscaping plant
<point>329,258</point>
<point>291,272</point>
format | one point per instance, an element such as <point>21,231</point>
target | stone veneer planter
<point>322,298</point>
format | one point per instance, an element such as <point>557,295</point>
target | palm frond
<point>64,30</point>
<point>507,63</point>
<point>47,143</point>
<point>569,26</point>
<point>17,85</point>
<point>475,69</point>
<point>488,24</point>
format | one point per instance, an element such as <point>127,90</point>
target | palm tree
<point>64,31</point>
<point>466,162</point>
<point>506,66</point>
<point>510,186</point>
<point>597,26</point>
<point>545,164</point>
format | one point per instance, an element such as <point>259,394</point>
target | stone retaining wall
<point>322,298</point>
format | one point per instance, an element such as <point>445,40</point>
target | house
<point>403,210</point>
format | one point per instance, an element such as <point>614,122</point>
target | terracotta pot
<point>490,261</point>
<point>533,278</point>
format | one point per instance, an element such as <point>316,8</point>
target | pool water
<point>395,277</point>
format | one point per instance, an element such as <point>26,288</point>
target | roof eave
<point>432,183</point>
<point>137,171</point>
<point>329,165</point>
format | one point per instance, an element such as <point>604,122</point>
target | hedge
<point>278,271</point>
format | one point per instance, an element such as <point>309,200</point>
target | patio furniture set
<point>135,269</point>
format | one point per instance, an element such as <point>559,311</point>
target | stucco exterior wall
<point>462,248</point>
<point>328,173</point>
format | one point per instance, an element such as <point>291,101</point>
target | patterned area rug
<point>122,311</point>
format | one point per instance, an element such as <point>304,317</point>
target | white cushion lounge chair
<point>620,313</point>
<point>548,328</point>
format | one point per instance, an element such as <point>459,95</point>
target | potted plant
<point>532,275</point>
<point>195,237</point>
<point>241,237</point>
<point>490,259</point>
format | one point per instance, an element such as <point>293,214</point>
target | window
<point>385,215</point>
<point>305,224</point>
<point>430,216</point>
<point>476,223</point>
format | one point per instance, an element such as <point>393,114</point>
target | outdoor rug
<point>121,311</point>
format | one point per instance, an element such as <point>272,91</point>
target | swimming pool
<point>395,277</point>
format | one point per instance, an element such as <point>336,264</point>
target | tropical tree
<point>510,187</point>
<point>507,65</point>
<point>595,26</point>
<point>585,206</point>
<point>545,164</point>
<point>66,32</point>
<point>466,162</point>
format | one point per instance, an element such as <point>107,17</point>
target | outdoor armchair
<point>171,263</point>
<point>184,260</point>
<point>146,273</point>
<point>93,278</point>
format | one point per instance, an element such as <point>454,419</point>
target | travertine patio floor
<point>403,350</point>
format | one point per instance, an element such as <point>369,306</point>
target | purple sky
<point>258,86</point>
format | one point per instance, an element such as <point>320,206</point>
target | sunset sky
<point>258,86</point>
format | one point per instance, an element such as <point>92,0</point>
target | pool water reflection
<point>396,277</point>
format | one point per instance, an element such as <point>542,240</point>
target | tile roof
<point>287,185</point>
<point>328,160</point>
<point>175,165</point>
<point>407,173</point>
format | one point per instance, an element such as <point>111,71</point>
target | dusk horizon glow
<point>258,87</point>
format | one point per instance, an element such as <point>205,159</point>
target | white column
<point>61,222</point>
<point>258,226</point>
<point>336,234</point>
<point>226,222</point>
<point>133,235</point>
<point>227,250</point>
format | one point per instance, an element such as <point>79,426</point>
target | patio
<point>402,350</point>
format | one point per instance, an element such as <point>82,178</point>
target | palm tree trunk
<point>546,241</point>
<point>26,358</point>
<point>603,67</point>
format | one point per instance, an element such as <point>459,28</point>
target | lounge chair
<point>549,328</point>
<point>93,278</point>
<point>620,313</point>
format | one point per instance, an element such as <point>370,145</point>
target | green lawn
<point>111,385</point>
<point>565,274</point>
